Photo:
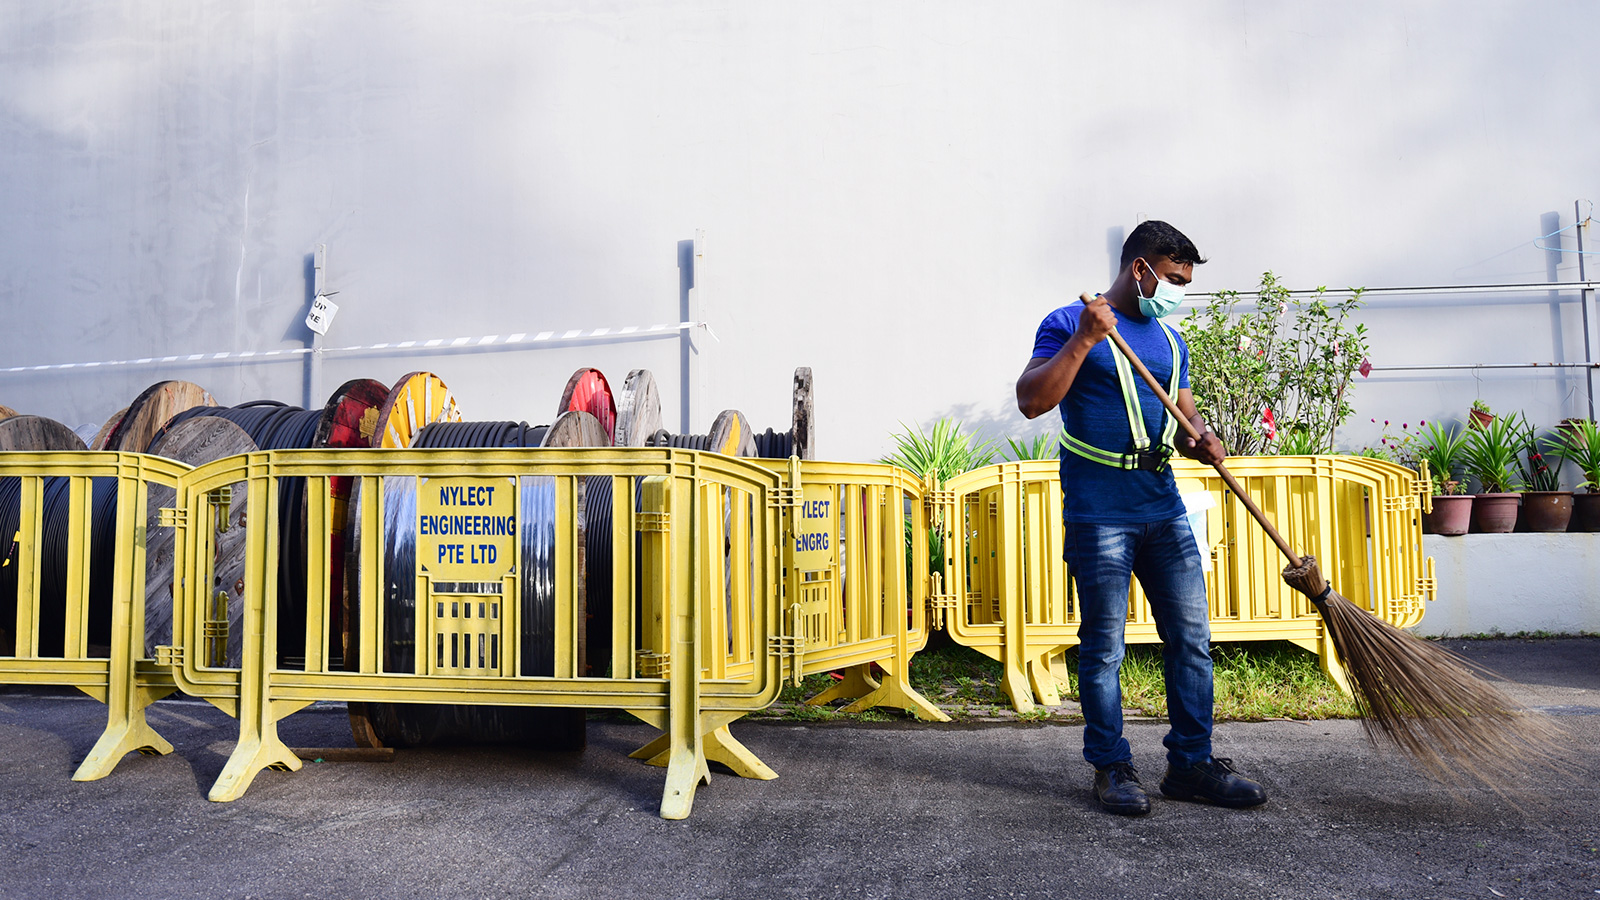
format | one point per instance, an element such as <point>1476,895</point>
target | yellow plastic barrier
<point>122,678</point>
<point>858,593</point>
<point>672,516</point>
<point>727,575</point>
<point>1015,603</point>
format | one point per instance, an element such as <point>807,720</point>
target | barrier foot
<point>118,740</point>
<point>653,751</point>
<point>1017,688</point>
<point>857,682</point>
<point>896,692</point>
<point>1043,681</point>
<point>686,771</point>
<point>720,747</point>
<point>248,759</point>
<point>1058,668</point>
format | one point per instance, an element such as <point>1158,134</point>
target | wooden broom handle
<point>1188,426</point>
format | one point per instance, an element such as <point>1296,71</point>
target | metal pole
<point>1530,287</point>
<point>314,358</point>
<point>1447,366</point>
<point>1587,296</point>
<point>688,351</point>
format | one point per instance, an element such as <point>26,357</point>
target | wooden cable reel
<point>152,409</point>
<point>37,433</point>
<point>588,391</point>
<point>275,426</point>
<point>349,420</point>
<point>98,442</point>
<point>32,433</point>
<point>197,441</point>
<point>200,435</point>
<point>638,410</point>
<point>415,401</point>
<point>730,433</point>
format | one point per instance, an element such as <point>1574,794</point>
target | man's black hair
<point>1153,238</point>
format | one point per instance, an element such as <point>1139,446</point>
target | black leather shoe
<point>1212,781</point>
<point>1117,786</point>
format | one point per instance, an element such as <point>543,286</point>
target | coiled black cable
<point>413,724</point>
<point>775,444</point>
<point>54,544</point>
<point>537,540</point>
<point>769,444</point>
<point>663,438</point>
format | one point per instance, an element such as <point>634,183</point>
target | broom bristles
<point>1429,702</point>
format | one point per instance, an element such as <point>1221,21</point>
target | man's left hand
<point>1208,449</point>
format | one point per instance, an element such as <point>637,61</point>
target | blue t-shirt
<point>1093,411</point>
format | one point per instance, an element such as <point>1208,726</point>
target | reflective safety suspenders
<point>1143,456</point>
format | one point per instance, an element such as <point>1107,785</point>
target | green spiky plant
<point>1298,440</point>
<point>1443,451</point>
<point>944,451</point>
<point>1492,454</point>
<point>1043,446</point>
<point>1581,447</point>
<point>1536,470</point>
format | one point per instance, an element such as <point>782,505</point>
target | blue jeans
<point>1163,556</point>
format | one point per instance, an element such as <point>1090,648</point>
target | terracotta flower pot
<point>1547,512</point>
<point>1451,515</point>
<point>1585,512</point>
<point>1477,418</point>
<point>1495,513</point>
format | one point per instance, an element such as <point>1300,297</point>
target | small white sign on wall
<point>321,315</point>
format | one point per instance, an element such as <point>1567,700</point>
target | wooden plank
<point>345,754</point>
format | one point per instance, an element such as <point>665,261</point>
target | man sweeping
<point>1124,517</point>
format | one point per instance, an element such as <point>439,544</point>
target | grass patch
<point>1254,681</point>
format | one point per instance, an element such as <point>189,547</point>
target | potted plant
<point>1546,508</point>
<point>1479,416</point>
<point>1452,506</point>
<point>1581,447</point>
<point>1492,456</point>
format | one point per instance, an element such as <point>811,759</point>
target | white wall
<point>1509,583</point>
<point>892,193</point>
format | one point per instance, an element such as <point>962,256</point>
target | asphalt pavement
<point>901,809</point>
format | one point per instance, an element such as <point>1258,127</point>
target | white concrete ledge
<point>1513,582</point>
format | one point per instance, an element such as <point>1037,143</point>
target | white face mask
<point>1162,301</point>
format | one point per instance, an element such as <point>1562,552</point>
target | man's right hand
<point>1097,320</point>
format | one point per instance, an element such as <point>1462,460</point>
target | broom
<point>1427,701</point>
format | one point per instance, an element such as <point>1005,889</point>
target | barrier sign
<point>816,543</point>
<point>466,528</point>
